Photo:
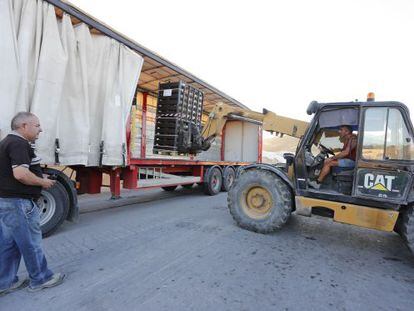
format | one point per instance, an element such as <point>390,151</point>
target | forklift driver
<point>345,159</point>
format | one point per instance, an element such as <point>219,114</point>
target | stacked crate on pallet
<point>178,117</point>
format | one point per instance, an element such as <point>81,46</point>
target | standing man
<point>21,182</point>
<point>346,158</point>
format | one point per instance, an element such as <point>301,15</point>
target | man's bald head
<point>21,118</point>
<point>26,124</point>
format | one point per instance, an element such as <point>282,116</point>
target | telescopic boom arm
<point>270,122</point>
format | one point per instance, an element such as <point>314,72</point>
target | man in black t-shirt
<point>21,182</point>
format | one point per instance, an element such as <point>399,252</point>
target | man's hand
<point>25,176</point>
<point>48,183</point>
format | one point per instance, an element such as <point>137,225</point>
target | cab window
<point>327,137</point>
<point>386,136</point>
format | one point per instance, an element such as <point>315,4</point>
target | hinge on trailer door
<point>57,150</point>
<point>124,152</point>
<point>101,152</point>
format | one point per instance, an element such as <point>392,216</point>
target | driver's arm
<point>346,152</point>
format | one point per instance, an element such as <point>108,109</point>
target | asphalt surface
<point>182,251</point>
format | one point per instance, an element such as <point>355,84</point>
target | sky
<point>278,55</point>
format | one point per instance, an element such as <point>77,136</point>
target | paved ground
<point>185,253</point>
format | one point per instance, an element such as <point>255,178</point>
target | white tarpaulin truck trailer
<point>81,78</point>
<point>81,85</point>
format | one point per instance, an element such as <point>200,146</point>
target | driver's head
<point>344,130</point>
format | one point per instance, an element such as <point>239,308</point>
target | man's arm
<point>351,144</point>
<point>20,158</point>
<point>25,176</point>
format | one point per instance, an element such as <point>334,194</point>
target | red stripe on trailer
<point>177,169</point>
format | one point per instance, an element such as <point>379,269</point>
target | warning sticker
<point>167,92</point>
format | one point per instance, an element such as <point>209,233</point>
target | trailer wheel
<point>169,188</point>
<point>213,180</point>
<point>260,201</point>
<point>406,227</point>
<point>70,187</point>
<point>229,175</point>
<point>54,208</point>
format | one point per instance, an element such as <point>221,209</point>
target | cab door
<point>385,154</point>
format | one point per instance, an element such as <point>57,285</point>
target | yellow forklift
<point>376,193</point>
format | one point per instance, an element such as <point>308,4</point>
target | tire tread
<point>273,223</point>
<point>406,227</point>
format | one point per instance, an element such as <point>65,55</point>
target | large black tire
<point>212,181</point>
<point>54,207</point>
<point>406,227</point>
<point>260,201</point>
<point>169,188</point>
<point>229,176</point>
<point>70,187</point>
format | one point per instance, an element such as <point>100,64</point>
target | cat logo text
<point>379,182</point>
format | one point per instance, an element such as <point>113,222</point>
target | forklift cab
<point>384,157</point>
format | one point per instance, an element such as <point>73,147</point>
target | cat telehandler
<point>377,193</point>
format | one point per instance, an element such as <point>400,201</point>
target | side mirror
<point>289,157</point>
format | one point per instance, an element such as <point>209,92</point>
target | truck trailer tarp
<point>80,84</point>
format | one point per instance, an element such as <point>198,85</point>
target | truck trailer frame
<point>140,172</point>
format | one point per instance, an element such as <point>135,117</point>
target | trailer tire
<point>54,207</point>
<point>212,181</point>
<point>229,175</point>
<point>169,188</point>
<point>70,187</point>
<point>260,201</point>
<point>406,227</point>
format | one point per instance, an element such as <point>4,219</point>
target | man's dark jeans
<point>20,234</point>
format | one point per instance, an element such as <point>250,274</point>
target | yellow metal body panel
<point>271,121</point>
<point>359,215</point>
<point>284,125</point>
